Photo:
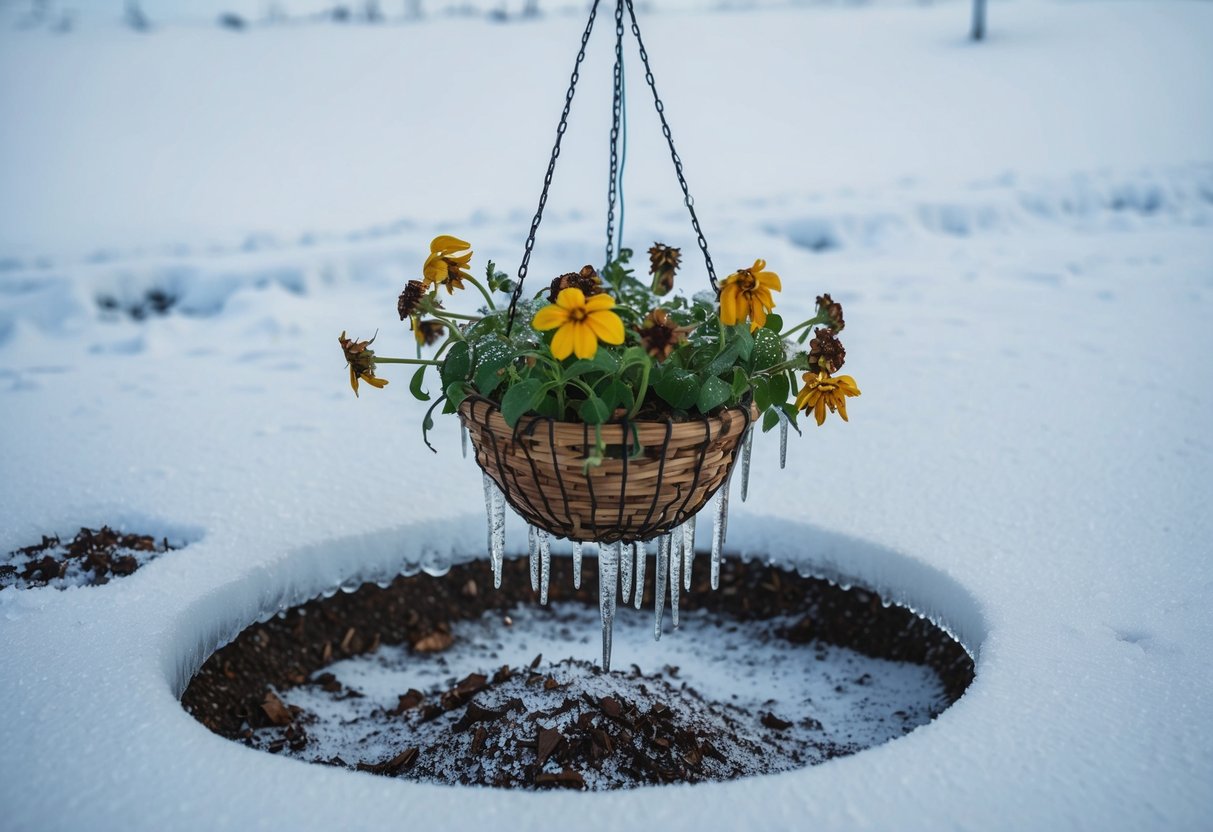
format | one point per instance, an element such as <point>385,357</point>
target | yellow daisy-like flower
<point>580,323</point>
<point>821,390</point>
<point>747,294</point>
<point>446,266</point>
<point>362,362</point>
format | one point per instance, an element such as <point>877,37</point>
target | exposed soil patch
<point>92,557</point>
<point>515,721</point>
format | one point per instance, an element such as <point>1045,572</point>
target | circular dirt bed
<point>448,680</point>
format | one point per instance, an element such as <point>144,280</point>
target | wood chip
<point>275,711</point>
<point>547,742</point>
<point>435,642</point>
<point>567,778</point>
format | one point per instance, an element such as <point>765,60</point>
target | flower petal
<point>819,411</point>
<point>599,302</point>
<point>757,314</point>
<point>446,244</point>
<point>550,317</point>
<point>606,326</point>
<point>585,345</point>
<point>354,380</point>
<point>562,343</point>
<point>571,298</point>
<point>434,269</point>
<point>842,408</point>
<point>769,280</point>
<point>729,297</point>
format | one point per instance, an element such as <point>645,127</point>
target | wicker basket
<point>540,467</point>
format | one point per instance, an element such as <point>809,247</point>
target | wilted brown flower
<point>427,333</point>
<point>659,334</point>
<point>410,299</point>
<point>832,310</point>
<point>663,263</point>
<point>586,280</point>
<point>362,362</point>
<point>826,353</point>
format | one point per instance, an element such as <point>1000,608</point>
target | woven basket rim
<point>717,415</point>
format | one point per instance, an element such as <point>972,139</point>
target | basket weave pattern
<point>540,467</point>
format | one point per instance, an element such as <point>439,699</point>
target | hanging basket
<point>655,475</point>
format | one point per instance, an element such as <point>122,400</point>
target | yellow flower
<point>580,323</point>
<point>446,266</point>
<point>747,294</point>
<point>821,390</point>
<point>361,361</point>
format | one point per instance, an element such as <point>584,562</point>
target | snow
<point>1021,233</point>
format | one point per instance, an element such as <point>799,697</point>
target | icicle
<point>641,556</point>
<point>533,555</point>
<point>463,439</point>
<point>625,570</point>
<point>608,569</point>
<point>495,503</point>
<point>545,565</point>
<point>718,523</point>
<point>576,564</point>
<point>688,551</point>
<point>747,446</point>
<point>783,441</point>
<point>663,564</point>
<point>675,572</point>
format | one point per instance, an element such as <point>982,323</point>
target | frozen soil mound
<point>92,557</point>
<point>437,680</point>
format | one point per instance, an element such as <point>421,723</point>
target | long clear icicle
<point>545,565</point>
<point>675,572</point>
<point>608,568</point>
<point>663,565</point>
<point>625,570</point>
<point>747,446</point>
<point>688,551</point>
<point>495,506</point>
<point>641,556</point>
<point>720,524</point>
<point>783,440</point>
<point>533,555</point>
<point>463,440</point>
<point>576,564</point>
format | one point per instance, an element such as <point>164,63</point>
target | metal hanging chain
<point>616,117</point>
<point>547,179</point>
<point>665,129</point>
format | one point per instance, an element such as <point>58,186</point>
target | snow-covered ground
<point>1021,232</point>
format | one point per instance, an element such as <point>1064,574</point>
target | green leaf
<point>616,394</point>
<point>713,394</point>
<point>456,392</point>
<point>774,322</point>
<point>741,383</point>
<point>520,398</point>
<point>488,370</point>
<point>723,361</point>
<point>593,411</point>
<point>458,362</point>
<point>770,419</point>
<point>768,350</point>
<point>762,393</point>
<point>606,361</point>
<point>549,406</point>
<point>679,388</point>
<point>415,384</point>
<point>745,341</point>
<point>779,389</point>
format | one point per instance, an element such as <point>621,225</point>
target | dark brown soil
<point>92,557</point>
<point>232,693</point>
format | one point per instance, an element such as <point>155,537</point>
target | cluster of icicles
<point>621,566</point>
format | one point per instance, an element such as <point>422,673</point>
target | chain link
<point>547,179</point>
<point>616,115</point>
<point>665,129</point>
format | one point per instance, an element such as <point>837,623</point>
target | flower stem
<point>483,291</point>
<point>379,359</point>
<point>817,319</point>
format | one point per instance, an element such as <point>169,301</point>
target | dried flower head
<point>822,391</point>
<point>831,312</point>
<point>659,334</point>
<point>447,264</point>
<point>587,280</point>
<point>361,360</point>
<point>663,263</point>
<point>410,299</point>
<point>427,333</point>
<point>826,353</point>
